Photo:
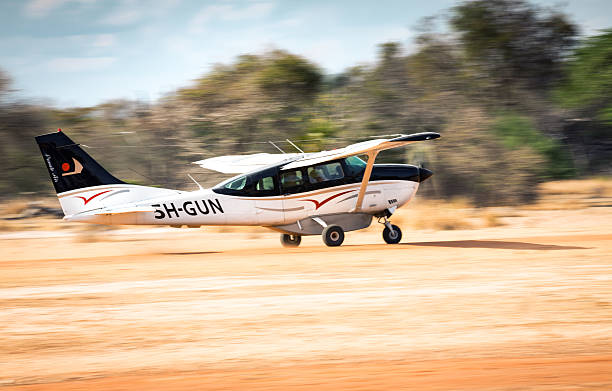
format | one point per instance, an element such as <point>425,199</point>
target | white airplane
<point>325,193</point>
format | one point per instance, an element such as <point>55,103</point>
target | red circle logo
<point>65,166</point>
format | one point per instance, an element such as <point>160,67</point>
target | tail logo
<point>78,167</point>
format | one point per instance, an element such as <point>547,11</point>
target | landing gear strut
<point>290,240</point>
<point>392,234</point>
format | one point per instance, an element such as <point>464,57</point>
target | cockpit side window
<point>292,181</point>
<point>325,172</point>
<point>355,167</point>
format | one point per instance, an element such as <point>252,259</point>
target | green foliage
<point>517,132</point>
<point>605,115</point>
<point>472,162</point>
<point>317,130</point>
<point>288,74</point>
<point>514,40</point>
<point>589,82</point>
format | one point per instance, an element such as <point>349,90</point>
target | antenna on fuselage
<point>276,146</point>
<point>196,182</point>
<point>294,146</point>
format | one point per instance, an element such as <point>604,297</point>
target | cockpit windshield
<point>236,184</point>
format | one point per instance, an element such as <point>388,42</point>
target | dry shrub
<point>6,226</point>
<point>556,204</point>
<point>491,219</point>
<point>225,229</point>
<point>255,235</point>
<point>87,237</point>
<point>435,215</point>
<point>591,187</point>
<point>472,162</point>
<point>90,233</point>
<point>15,207</point>
<point>573,194</point>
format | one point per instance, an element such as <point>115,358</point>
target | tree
<point>513,41</point>
<point>4,82</point>
<point>588,87</point>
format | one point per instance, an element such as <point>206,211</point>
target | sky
<point>70,53</point>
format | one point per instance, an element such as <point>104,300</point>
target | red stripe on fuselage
<point>320,204</point>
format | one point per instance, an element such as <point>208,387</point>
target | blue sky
<point>84,52</point>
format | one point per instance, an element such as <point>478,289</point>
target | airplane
<point>324,193</point>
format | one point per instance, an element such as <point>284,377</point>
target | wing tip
<point>423,136</point>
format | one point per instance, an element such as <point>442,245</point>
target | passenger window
<point>292,181</point>
<point>265,184</point>
<point>325,172</point>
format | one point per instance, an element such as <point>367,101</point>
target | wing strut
<point>366,178</point>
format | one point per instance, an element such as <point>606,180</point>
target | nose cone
<point>424,174</point>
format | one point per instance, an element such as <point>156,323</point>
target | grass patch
<point>15,207</point>
<point>435,215</point>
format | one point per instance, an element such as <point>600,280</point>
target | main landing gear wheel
<point>290,240</point>
<point>392,236</point>
<point>333,235</point>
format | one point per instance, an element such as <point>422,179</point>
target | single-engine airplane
<point>325,193</point>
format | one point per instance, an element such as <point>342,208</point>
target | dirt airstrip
<point>523,306</point>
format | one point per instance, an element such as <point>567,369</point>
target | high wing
<point>240,164</point>
<point>362,148</point>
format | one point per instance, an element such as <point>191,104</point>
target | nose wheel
<point>392,234</point>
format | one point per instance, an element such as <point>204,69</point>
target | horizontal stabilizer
<point>118,211</point>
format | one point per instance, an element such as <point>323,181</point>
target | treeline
<point>517,96</point>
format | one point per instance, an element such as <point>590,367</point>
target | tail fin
<point>69,166</point>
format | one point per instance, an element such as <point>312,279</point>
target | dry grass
<point>598,187</point>
<point>435,215</point>
<point>573,194</point>
<point>491,219</point>
<point>90,233</point>
<point>6,226</point>
<point>15,207</point>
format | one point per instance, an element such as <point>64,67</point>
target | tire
<point>290,240</point>
<point>392,238</point>
<point>333,235</point>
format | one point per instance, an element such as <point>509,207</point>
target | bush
<point>471,162</point>
<point>516,132</point>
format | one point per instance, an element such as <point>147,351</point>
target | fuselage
<point>269,197</point>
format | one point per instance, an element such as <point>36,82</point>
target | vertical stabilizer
<point>69,166</point>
